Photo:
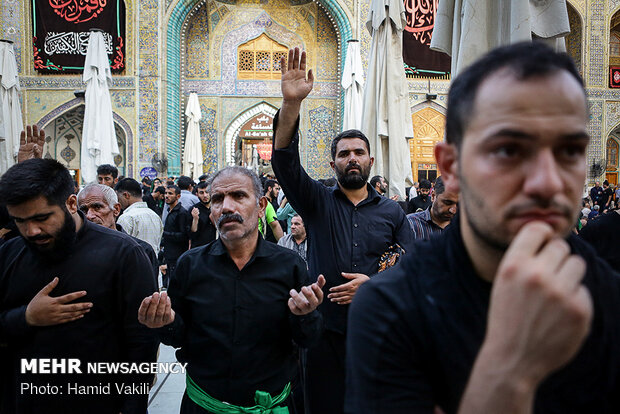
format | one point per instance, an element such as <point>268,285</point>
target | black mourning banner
<point>417,54</point>
<point>614,77</point>
<point>61,33</point>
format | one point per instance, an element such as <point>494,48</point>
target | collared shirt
<point>419,203</point>
<point>233,326</point>
<point>113,270</point>
<point>139,221</point>
<point>423,225</point>
<point>342,237</point>
<point>206,231</point>
<point>188,200</point>
<point>416,331</point>
<point>289,242</point>
<point>148,250</point>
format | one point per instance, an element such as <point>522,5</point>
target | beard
<point>353,180</point>
<point>61,244</point>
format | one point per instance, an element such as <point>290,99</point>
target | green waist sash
<point>265,403</point>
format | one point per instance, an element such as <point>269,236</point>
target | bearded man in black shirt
<point>506,311</point>
<point>59,245</point>
<point>235,306</point>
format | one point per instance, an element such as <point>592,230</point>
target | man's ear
<point>372,161</point>
<point>262,205</point>
<point>117,209</point>
<point>332,165</point>
<point>72,204</point>
<point>447,160</point>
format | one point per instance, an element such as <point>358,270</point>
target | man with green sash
<point>235,306</point>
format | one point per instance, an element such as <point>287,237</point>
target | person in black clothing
<point>62,258</point>
<point>604,235</point>
<point>236,305</point>
<point>100,204</point>
<point>423,200</point>
<point>175,239</point>
<point>202,231</point>
<point>156,200</point>
<point>607,196</point>
<point>506,310</point>
<point>349,228</point>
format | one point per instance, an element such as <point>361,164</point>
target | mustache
<point>228,217</point>
<point>39,237</point>
<point>349,167</point>
<point>540,204</point>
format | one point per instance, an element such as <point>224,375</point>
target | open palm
<point>295,85</point>
<point>31,143</point>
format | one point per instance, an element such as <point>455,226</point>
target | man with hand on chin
<point>349,227</point>
<point>505,311</point>
<point>235,306</point>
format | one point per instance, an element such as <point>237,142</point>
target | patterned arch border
<point>235,126</point>
<point>175,24</point>
<point>56,112</point>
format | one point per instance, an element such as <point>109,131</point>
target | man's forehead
<point>231,182</point>
<point>350,143</point>
<point>35,206</point>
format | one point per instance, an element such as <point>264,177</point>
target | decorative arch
<point>428,129</point>
<point>118,121</point>
<point>232,132</point>
<point>177,16</point>
<point>428,104</point>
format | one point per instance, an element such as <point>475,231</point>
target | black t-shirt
<point>206,232</point>
<point>419,203</point>
<point>117,275</point>
<point>415,331</point>
<point>604,235</point>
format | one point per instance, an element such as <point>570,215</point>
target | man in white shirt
<point>138,220</point>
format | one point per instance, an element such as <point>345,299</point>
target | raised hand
<point>343,294</point>
<point>44,310</point>
<point>156,310</point>
<point>308,298</point>
<point>295,85</point>
<point>31,143</point>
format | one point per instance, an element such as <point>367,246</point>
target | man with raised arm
<point>235,307</point>
<point>506,311</point>
<point>349,227</point>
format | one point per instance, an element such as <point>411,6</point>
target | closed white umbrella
<point>353,84</point>
<point>192,153</point>
<point>467,29</point>
<point>11,124</point>
<point>386,117</point>
<point>99,145</point>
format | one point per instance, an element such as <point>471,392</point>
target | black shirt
<point>206,230</point>
<point>148,250</point>
<point>342,237</point>
<point>419,202</point>
<point>415,331</point>
<point>604,235</point>
<point>234,326</point>
<point>116,274</point>
<point>175,238</point>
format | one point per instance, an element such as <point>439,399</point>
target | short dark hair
<point>176,189</point>
<point>425,184</point>
<point>107,169</point>
<point>202,184</point>
<point>184,182</point>
<point>203,177</point>
<point>36,177</point>
<point>130,185</point>
<point>160,190</point>
<point>269,183</point>
<point>523,61</point>
<point>440,188</point>
<point>349,133</point>
<point>374,180</point>
<point>146,180</point>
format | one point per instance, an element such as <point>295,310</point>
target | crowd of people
<point>286,294</point>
